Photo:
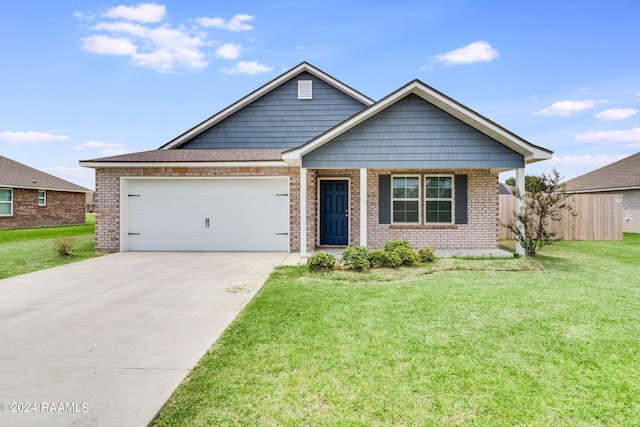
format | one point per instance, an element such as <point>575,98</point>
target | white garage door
<point>207,214</point>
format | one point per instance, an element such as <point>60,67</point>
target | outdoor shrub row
<point>395,254</point>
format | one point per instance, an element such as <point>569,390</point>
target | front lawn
<point>556,343</point>
<point>31,249</point>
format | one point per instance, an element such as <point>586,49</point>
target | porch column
<point>303,212</point>
<point>363,207</point>
<point>520,187</point>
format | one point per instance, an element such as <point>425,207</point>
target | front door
<point>334,213</point>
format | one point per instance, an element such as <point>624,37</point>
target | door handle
<point>346,212</point>
<point>206,222</point>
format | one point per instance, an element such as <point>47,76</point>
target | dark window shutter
<point>461,199</point>
<point>384,199</point>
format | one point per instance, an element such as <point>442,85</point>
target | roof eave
<point>259,163</point>
<point>45,188</point>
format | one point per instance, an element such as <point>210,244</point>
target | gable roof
<point>621,175</point>
<point>273,84</point>
<point>17,175</point>
<point>530,152</point>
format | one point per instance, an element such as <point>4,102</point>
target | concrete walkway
<point>105,342</point>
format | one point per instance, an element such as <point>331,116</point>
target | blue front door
<point>334,214</point>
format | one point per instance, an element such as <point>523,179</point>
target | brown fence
<point>598,217</point>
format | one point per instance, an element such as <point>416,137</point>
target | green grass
<point>31,249</point>
<point>551,341</point>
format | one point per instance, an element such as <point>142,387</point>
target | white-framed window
<point>438,199</point>
<point>405,199</point>
<point>6,202</point>
<point>42,198</point>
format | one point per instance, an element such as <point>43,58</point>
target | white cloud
<point>123,27</point>
<point>566,108</point>
<point>631,136</point>
<point>143,12</point>
<point>583,89</point>
<point>616,114</point>
<point>141,33</point>
<point>475,52</point>
<point>30,137</point>
<point>229,51</point>
<point>98,144</point>
<point>160,48</point>
<point>237,23</point>
<point>244,67</point>
<point>83,16</point>
<point>107,45</point>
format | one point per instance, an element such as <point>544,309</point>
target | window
<point>42,198</point>
<point>438,200</point>
<point>406,199</point>
<point>6,202</point>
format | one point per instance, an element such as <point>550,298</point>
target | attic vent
<point>304,89</point>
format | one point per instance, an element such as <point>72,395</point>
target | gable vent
<point>305,89</point>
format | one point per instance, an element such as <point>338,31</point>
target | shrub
<point>64,245</point>
<point>321,261</point>
<point>404,250</point>
<point>379,258</point>
<point>426,254</point>
<point>391,246</point>
<point>356,258</point>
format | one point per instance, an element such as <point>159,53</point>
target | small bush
<point>403,250</point>
<point>388,259</point>
<point>64,245</point>
<point>391,246</point>
<point>426,254</point>
<point>356,258</point>
<point>321,261</point>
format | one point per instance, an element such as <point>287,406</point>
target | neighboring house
<point>90,204</point>
<point>621,177</point>
<point>31,198</point>
<point>306,161</point>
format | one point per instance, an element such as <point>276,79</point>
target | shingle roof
<point>622,174</point>
<point>17,175</point>
<point>197,155</point>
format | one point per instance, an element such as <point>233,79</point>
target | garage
<point>219,214</point>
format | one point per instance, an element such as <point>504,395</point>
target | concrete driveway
<point>106,341</point>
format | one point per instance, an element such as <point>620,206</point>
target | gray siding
<point>413,133</point>
<point>279,119</point>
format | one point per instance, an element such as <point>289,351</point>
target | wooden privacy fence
<point>598,217</point>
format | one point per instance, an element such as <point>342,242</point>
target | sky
<point>93,78</point>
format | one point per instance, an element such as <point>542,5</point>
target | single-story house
<point>32,198</point>
<point>621,177</point>
<point>307,162</point>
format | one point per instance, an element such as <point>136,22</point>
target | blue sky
<point>87,79</point>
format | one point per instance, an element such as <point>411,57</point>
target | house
<point>90,202</point>
<point>31,198</point>
<point>621,177</point>
<point>307,162</point>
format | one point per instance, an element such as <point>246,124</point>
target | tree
<point>530,182</point>
<point>542,204</point>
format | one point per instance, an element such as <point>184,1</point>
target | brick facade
<point>481,232</point>
<point>62,208</point>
